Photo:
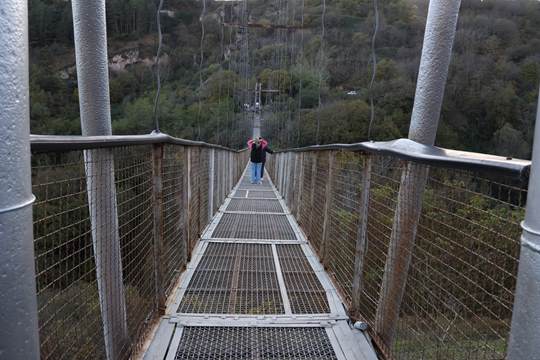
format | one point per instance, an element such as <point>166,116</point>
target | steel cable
<point>374,69</point>
<point>158,74</point>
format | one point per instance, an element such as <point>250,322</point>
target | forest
<point>315,56</point>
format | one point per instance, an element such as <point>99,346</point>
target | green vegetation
<point>490,97</point>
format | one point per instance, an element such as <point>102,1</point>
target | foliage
<point>489,103</point>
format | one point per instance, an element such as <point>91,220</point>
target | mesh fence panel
<point>384,188</point>
<point>458,296</point>
<point>174,241</point>
<point>67,289</point>
<point>317,199</point>
<point>194,198</point>
<point>305,204</point>
<point>460,289</point>
<point>343,219</point>
<point>70,314</point>
<point>133,175</point>
<point>204,185</point>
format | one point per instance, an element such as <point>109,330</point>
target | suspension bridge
<point>154,247</point>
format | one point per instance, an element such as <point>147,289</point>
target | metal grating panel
<point>260,187</point>
<point>254,226</point>
<point>261,194</point>
<point>306,294</point>
<point>240,193</point>
<point>255,205</point>
<point>234,279</point>
<point>246,184</point>
<point>254,343</point>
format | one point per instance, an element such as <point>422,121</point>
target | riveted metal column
<point>157,194</point>
<point>217,188</point>
<point>18,310</point>
<point>282,171</point>
<point>90,34</point>
<point>211,184</point>
<point>276,170</point>
<point>187,202</point>
<point>231,170</point>
<point>300,187</point>
<point>292,180</point>
<point>285,173</point>
<point>361,237</point>
<point>313,154</point>
<point>222,184</point>
<point>327,201</point>
<point>436,53</point>
<point>224,180</point>
<point>525,328</point>
<point>290,177</point>
<point>226,172</point>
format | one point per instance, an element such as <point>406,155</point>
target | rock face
<point>119,62</point>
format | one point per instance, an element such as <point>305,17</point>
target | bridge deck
<point>254,289</point>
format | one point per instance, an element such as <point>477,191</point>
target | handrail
<point>432,155</point>
<point>50,143</point>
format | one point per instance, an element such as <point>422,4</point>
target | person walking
<point>255,156</point>
<point>266,149</point>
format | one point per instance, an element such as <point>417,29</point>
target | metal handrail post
<point>300,188</point>
<point>328,200</point>
<point>362,235</point>
<point>523,343</point>
<point>211,184</point>
<point>157,194</point>
<point>18,310</point>
<point>90,33</point>
<point>436,54</point>
<point>186,198</point>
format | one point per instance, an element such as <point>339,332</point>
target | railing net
<point>70,316</point>
<point>458,295</point>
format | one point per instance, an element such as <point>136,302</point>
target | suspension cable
<point>158,73</point>
<point>374,69</point>
<point>201,19</point>
<point>230,120</point>
<point>301,75</point>
<point>317,140</point>
<point>221,73</point>
<point>291,57</point>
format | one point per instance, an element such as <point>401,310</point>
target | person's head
<point>256,141</point>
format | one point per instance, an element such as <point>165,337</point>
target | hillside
<point>489,103</point>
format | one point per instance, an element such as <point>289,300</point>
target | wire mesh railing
<point>84,313</point>
<point>448,292</point>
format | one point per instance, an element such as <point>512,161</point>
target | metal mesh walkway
<point>254,289</point>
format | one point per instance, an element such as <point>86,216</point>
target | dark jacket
<point>266,150</point>
<point>258,152</point>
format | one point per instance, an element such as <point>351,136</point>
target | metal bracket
<point>18,206</point>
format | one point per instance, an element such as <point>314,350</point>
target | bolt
<point>360,325</point>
